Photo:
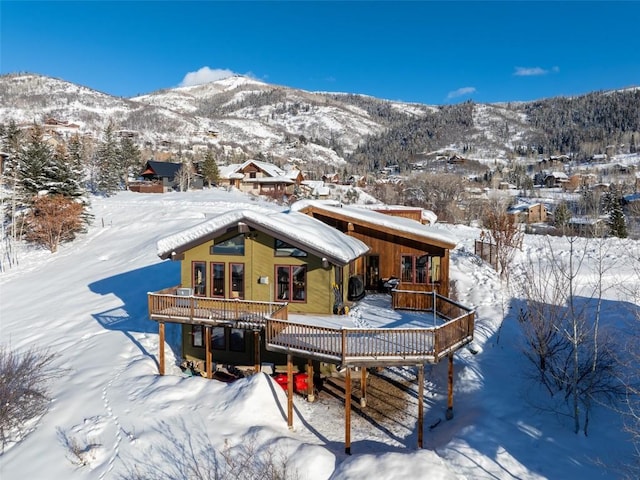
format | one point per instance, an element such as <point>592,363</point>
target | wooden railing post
<point>256,350</point>
<point>310,392</point>
<point>449,414</point>
<point>363,387</point>
<point>289,391</point>
<point>161,348</point>
<point>347,412</point>
<point>420,404</point>
<point>344,345</point>
<point>207,355</point>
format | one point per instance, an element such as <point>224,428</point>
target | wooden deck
<point>345,346</point>
<point>165,306</point>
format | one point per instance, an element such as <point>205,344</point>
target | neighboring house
<point>586,226</point>
<point>357,181</point>
<point>166,173</point>
<point>419,214</point>
<point>260,256</point>
<point>600,188</point>
<point>529,213</point>
<point>631,198</point>
<point>579,180</point>
<point>331,178</point>
<point>555,179</point>
<point>414,255</point>
<point>315,189</point>
<point>261,178</point>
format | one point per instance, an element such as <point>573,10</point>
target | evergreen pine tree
<point>562,216</point>
<point>76,164</point>
<point>612,207</point>
<point>106,160</point>
<point>210,169</point>
<point>128,159</point>
<point>65,180</point>
<point>617,223</point>
<point>35,166</point>
<point>12,139</point>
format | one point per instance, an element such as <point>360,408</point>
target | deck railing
<point>360,346</point>
<point>166,306</point>
<point>349,346</point>
<point>425,301</point>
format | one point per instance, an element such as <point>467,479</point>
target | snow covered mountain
<point>243,117</point>
<point>237,113</point>
<point>294,124</point>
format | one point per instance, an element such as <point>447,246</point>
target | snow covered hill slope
<point>88,304</point>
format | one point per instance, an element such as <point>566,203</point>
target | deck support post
<point>363,387</point>
<point>449,414</point>
<point>256,350</point>
<point>347,412</point>
<point>207,352</point>
<point>161,348</point>
<point>310,394</point>
<point>420,404</point>
<point>290,391</point>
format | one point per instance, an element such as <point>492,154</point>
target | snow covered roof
<point>559,175</point>
<point>270,170</point>
<point>522,207</point>
<point>270,180</point>
<point>402,226</point>
<point>230,171</point>
<point>162,169</point>
<point>428,217</point>
<point>295,228</point>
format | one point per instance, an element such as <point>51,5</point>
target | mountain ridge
<point>241,117</point>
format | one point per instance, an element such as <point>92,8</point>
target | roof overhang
<point>315,238</point>
<point>389,224</point>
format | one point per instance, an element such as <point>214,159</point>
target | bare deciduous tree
<point>185,176</point>
<point>24,390</point>
<point>192,455</point>
<point>572,356</point>
<point>504,231</point>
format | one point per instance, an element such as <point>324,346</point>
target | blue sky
<point>427,52</point>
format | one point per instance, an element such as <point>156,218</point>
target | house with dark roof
<point>166,173</point>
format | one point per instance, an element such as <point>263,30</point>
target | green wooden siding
<point>259,262</point>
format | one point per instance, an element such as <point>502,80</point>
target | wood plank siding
<point>390,245</point>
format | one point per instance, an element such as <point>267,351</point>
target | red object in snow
<point>281,379</point>
<point>299,381</point>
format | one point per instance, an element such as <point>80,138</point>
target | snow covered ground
<point>87,303</point>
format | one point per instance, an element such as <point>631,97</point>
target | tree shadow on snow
<point>132,316</point>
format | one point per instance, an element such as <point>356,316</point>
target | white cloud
<point>530,71</point>
<point>205,75</point>
<point>461,92</point>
